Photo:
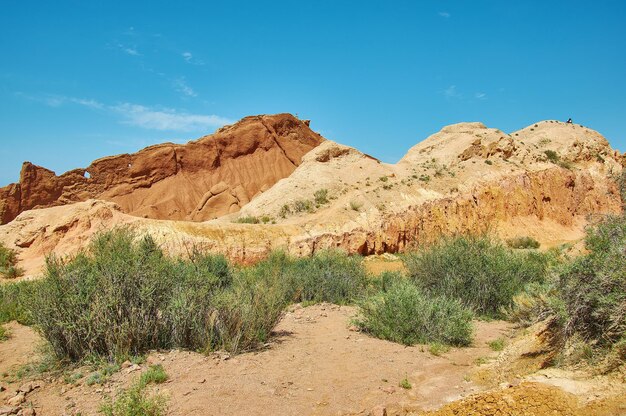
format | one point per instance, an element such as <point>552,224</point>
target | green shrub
<point>437,348</point>
<point>497,344</point>
<point>329,276</point>
<point>565,164</point>
<point>247,312</point>
<point>478,271</point>
<point>302,205</point>
<point>8,263</point>
<point>386,279</point>
<point>593,287</point>
<point>124,297</point>
<point>247,220</point>
<point>135,402</point>
<point>537,302</point>
<point>155,374</point>
<point>552,156</point>
<point>407,315</point>
<point>522,242</point>
<point>356,205</point>
<point>14,298</point>
<point>405,384</point>
<point>321,196</point>
<point>284,211</point>
<point>4,333</point>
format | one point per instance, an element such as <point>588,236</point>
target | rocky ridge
<point>197,181</point>
<point>546,181</point>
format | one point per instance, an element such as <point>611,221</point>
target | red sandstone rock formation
<point>201,180</point>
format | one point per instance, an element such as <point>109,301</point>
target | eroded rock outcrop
<point>201,180</point>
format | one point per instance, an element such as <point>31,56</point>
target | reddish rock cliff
<point>200,180</point>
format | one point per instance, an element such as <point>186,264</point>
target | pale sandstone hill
<point>465,178</point>
<point>200,180</point>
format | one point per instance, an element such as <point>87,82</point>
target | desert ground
<point>270,183</point>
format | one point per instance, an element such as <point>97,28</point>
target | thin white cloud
<point>451,92</point>
<point>444,14</point>
<point>190,59</point>
<point>87,103</point>
<point>59,100</point>
<point>139,115</point>
<point>480,96</point>
<point>129,50</point>
<point>167,119</point>
<point>181,86</point>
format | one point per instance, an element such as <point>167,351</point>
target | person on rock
<point>569,121</point>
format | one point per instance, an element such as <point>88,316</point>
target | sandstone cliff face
<point>200,180</point>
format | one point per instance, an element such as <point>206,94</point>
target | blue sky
<point>85,79</point>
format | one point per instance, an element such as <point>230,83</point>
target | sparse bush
<point>302,205</point>
<point>405,384</point>
<point>478,271</point>
<point>437,348</point>
<point>407,315</point>
<point>154,374</point>
<point>489,162</point>
<point>424,178</point>
<point>356,205</point>
<point>135,401</point>
<point>383,179</point>
<point>522,242</point>
<point>496,344</point>
<point>284,211</point>
<point>321,196</point>
<point>4,333</point>
<point>95,378</point>
<point>247,220</point>
<point>8,263</point>
<point>565,164</point>
<point>552,156</point>
<point>593,287</point>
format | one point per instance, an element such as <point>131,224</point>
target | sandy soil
<point>18,349</point>
<point>315,366</point>
<point>318,365</point>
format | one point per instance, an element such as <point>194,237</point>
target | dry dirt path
<point>315,366</point>
<point>18,349</point>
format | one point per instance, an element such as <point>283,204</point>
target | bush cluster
<point>593,287</point>
<point>478,271</point>
<point>585,300</point>
<point>407,315</point>
<point>123,296</point>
